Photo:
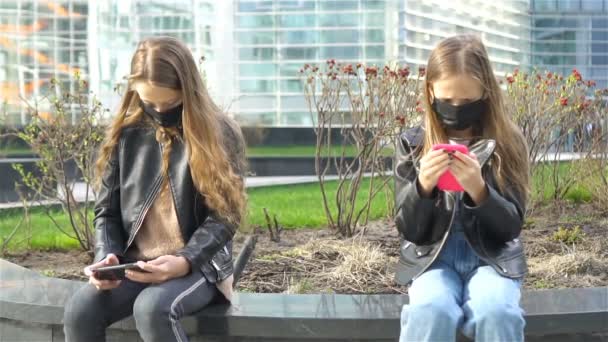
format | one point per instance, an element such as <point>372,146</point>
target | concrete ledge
<point>31,301</point>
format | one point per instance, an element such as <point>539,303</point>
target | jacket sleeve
<point>500,216</point>
<point>414,215</point>
<point>109,232</point>
<point>215,232</point>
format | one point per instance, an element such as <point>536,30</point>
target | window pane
<point>257,86</point>
<point>342,19</point>
<point>593,5</point>
<point>568,5</point>
<point>341,36</point>
<point>252,102</point>
<point>261,69</point>
<point>341,52</point>
<point>296,102</point>
<point>297,20</point>
<point>255,21</point>
<point>373,4</point>
<point>298,37</point>
<point>545,5</point>
<point>298,118</point>
<point>374,19</point>
<point>376,36</point>
<point>339,5</point>
<point>255,37</point>
<point>257,6</point>
<point>290,70</point>
<point>256,118</point>
<point>299,53</point>
<point>253,54</point>
<point>292,86</point>
<point>292,5</point>
<point>374,52</point>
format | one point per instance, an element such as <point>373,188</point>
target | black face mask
<point>459,117</point>
<point>168,118</point>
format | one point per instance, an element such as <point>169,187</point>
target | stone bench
<point>31,309</point>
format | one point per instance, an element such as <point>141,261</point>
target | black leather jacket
<point>130,185</point>
<point>492,228</point>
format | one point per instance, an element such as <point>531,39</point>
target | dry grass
<point>332,265</point>
<point>579,267</point>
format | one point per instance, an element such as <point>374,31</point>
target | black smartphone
<point>115,272</point>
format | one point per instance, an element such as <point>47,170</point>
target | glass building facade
<point>117,26</point>
<point>275,38</point>
<point>39,40</point>
<point>504,26</point>
<point>254,49</point>
<point>570,34</point>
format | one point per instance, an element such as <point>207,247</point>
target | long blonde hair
<point>167,62</point>
<point>466,54</point>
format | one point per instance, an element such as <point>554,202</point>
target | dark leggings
<point>157,308</point>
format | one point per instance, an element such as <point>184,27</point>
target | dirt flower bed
<point>318,261</point>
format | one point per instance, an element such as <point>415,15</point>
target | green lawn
<point>293,151</point>
<point>296,206</point>
<point>302,205</point>
<point>545,171</point>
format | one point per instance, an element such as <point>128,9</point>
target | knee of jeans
<point>83,309</point>
<point>499,313</point>
<point>150,307</point>
<point>435,310</point>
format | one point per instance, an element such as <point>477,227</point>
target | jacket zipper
<point>173,195</point>
<point>147,206</point>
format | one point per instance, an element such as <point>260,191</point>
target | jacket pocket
<point>422,251</point>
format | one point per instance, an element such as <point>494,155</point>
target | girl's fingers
<point>436,170</point>
<point>435,161</point>
<point>435,155</point>
<point>465,158</point>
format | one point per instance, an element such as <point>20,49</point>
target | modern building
<point>569,34</point>
<point>39,40</point>
<point>275,38</point>
<point>254,49</point>
<point>504,26</point>
<point>116,27</point>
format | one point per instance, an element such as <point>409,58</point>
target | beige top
<point>160,235</point>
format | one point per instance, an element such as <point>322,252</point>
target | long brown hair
<point>466,54</point>
<point>167,62</point>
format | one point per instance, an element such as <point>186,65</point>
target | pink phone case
<point>447,181</point>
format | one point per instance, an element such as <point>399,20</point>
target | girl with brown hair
<point>170,197</point>
<point>461,251</point>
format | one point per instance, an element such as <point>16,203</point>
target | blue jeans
<point>460,291</point>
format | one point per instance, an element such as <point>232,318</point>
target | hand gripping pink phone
<point>447,181</point>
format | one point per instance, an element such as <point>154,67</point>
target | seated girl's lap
<point>486,285</point>
<point>438,283</point>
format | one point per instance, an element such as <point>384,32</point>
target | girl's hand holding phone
<point>432,166</point>
<point>467,171</point>
<point>109,260</point>
<point>161,269</point>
